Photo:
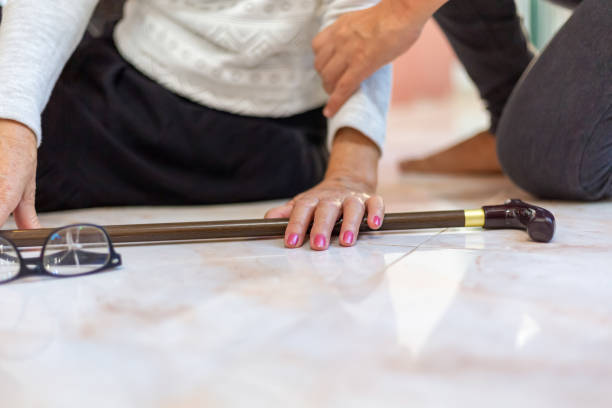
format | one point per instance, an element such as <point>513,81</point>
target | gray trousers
<point>552,115</point>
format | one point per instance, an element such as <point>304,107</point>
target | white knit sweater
<point>250,57</point>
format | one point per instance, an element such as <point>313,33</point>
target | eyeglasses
<point>73,250</point>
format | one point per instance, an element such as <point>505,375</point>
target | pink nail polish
<point>348,237</point>
<point>319,241</point>
<point>292,240</point>
<point>376,221</point>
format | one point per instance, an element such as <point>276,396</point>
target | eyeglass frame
<point>25,264</point>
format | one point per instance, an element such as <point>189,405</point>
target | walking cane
<point>516,214</point>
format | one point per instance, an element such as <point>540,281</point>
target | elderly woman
<point>185,102</point>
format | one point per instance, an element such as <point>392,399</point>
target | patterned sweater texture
<point>249,57</point>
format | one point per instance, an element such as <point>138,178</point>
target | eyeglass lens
<point>10,264</point>
<point>76,250</point>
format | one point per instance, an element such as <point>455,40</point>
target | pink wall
<point>424,71</point>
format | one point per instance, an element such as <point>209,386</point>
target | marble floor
<point>430,318</point>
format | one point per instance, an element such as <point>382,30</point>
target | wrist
<point>17,133</point>
<point>10,127</point>
<point>354,157</point>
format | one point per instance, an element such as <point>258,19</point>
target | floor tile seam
<point>406,246</point>
<point>489,249</point>
<point>526,250</point>
<point>415,246</point>
<point>399,259</point>
<point>413,249</point>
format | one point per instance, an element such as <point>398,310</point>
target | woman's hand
<point>347,191</point>
<point>18,156</point>
<point>359,43</point>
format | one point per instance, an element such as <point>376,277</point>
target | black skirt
<point>112,136</point>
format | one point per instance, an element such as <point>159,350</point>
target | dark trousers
<point>111,136</point>
<point>552,116</point>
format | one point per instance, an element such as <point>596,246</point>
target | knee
<point>595,171</point>
<point>555,168</point>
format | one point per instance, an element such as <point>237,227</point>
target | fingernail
<point>376,221</point>
<point>326,112</point>
<point>348,237</point>
<point>292,240</point>
<point>320,241</point>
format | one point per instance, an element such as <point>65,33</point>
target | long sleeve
<point>367,109</point>
<point>36,39</point>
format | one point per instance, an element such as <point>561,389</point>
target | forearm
<point>36,39</point>
<point>355,157</point>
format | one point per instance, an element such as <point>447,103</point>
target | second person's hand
<point>359,43</point>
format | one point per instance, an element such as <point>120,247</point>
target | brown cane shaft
<point>188,231</point>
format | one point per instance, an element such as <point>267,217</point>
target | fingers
<point>339,80</point>
<point>323,56</point>
<point>321,40</point>
<point>5,212</point>
<point>323,49</point>
<point>17,173</point>
<point>325,217</point>
<point>376,212</point>
<point>353,211</point>
<point>326,213</point>
<point>25,213</point>
<point>25,216</point>
<point>344,89</point>
<point>332,72</point>
<point>299,222</point>
<point>283,211</point>
<point>7,203</point>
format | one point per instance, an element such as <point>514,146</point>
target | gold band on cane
<point>474,218</point>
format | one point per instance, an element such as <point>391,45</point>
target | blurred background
<point>435,104</point>
<point>431,71</point>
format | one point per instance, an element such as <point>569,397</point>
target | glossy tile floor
<point>431,318</point>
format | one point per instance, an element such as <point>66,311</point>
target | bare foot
<point>474,155</point>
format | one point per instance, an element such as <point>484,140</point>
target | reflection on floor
<point>447,317</point>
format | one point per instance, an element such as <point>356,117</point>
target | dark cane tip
<point>542,227</point>
<point>537,221</point>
